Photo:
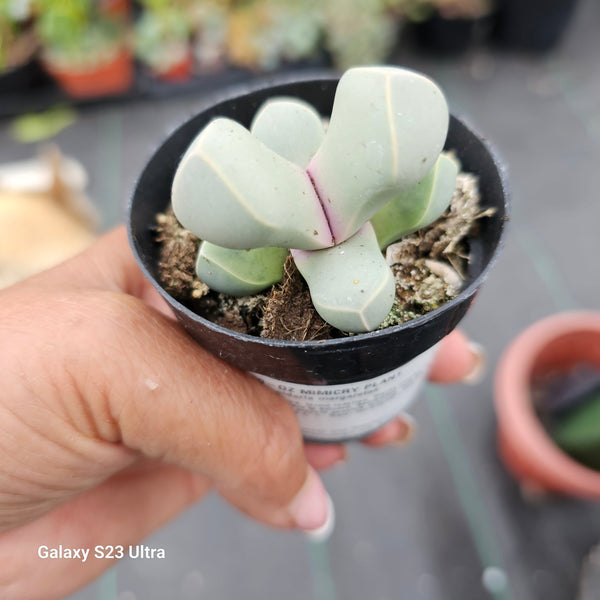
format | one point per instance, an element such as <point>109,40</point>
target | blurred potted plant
<point>547,398</point>
<point>450,26</point>
<point>264,34</point>
<point>361,32</point>
<point>85,53</point>
<point>18,46</point>
<point>163,39</point>
<point>210,23</point>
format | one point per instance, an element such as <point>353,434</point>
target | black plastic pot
<point>22,77</point>
<point>337,361</point>
<point>534,25</point>
<point>451,36</point>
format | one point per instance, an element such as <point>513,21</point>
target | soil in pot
<point>429,268</point>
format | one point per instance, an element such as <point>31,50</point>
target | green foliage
<point>159,31</point>
<point>36,127</point>
<point>294,130</point>
<point>351,285</point>
<point>239,272</point>
<point>578,432</point>
<point>73,31</point>
<point>360,32</point>
<point>418,206</point>
<point>7,30</point>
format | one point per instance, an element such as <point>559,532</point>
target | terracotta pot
<point>178,72</point>
<point>554,344</point>
<point>107,79</point>
<point>119,9</point>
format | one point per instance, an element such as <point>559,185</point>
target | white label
<point>350,410</point>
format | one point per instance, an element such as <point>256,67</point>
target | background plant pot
<point>535,25</point>
<point>119,9</point>
<point>106,79</point>
<point>554,344</point>
<point>22,77</point>
<point>330,362</point>
<point>178,72</point>
<point>451,36</point>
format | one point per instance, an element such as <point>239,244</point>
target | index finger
<point>458,359</point>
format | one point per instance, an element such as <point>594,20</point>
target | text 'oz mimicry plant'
<point>334,197</point>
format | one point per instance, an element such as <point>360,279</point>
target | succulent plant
<point>360,32</point>
<point>262,34</point>
<point>75,33</point>
<point>162,34</point>
<point>333,197</point>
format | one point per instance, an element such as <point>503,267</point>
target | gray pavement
<point>440,519</point>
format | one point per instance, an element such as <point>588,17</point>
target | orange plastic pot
<point>554,344</point>
<point>107,79</point>
<point>178,72</point>
<point>120,9</point>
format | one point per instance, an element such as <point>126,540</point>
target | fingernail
<point>312,508</point>
<point>343,457</point>
<point>477,371</point>
<point>406,427</point>
<point>323,533</point>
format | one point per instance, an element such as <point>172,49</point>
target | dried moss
<point>289,313</point>
<point>241,314</point>
<point>177,258</point>
<point>447,238</point>
<point>420,286</point>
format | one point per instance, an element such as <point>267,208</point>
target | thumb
<point>170,399</point>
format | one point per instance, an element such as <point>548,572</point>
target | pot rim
<point>239,92</point>
<point>519,426</point>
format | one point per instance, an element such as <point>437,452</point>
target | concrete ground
<point>440,519</point>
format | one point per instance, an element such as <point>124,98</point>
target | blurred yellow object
<point>45,216</point>
<point>244,25</point>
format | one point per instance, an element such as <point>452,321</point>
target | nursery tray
<point>43,93</point>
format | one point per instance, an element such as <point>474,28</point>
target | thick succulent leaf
<point>233,191</point>
<point>239,272</point>
<point>351,285</point>
<point>294,130</point>
<point>387,128</point>
<point>418,206</point>
<point>290,127</point>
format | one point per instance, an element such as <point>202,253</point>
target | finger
<point>169,399</point>
<point>398,431</point>
<point>457,360</point>
<point>324,456</point>
<point>161,394</point>
<point>120,512</point>
<point>250,438</point>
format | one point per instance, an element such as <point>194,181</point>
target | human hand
<point>114,421</point>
